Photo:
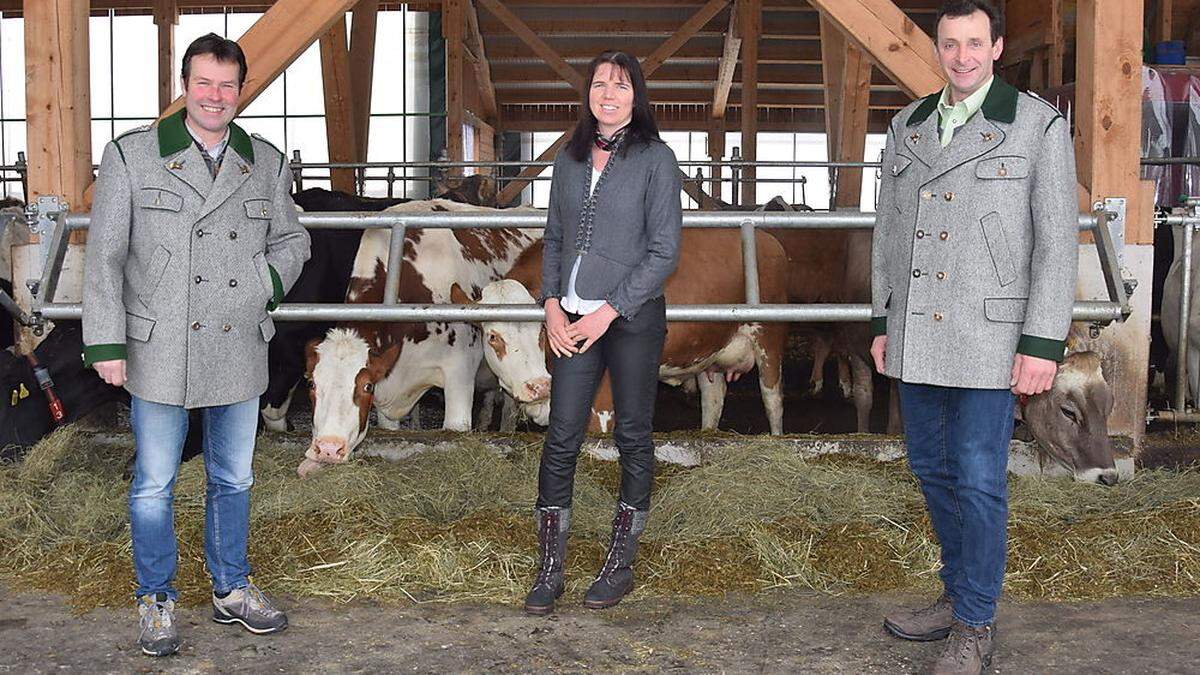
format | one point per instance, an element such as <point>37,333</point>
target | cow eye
<point>1070,414</point>
<point>369,387</point>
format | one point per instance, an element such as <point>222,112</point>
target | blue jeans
<point>958,449</point>
<point>159,431</point>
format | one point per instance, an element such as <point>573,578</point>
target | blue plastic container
<point>1170,52</point>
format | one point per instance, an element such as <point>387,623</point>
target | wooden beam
<point>751,26</point>
<point>727,66</point>
<point>453,24</point>
<point>280,35</point>
<point>515,186</point>
<point>362,71</point>
<point>521,30</point>
<point>896,44</point>
<point>848,91</point>
<point>1164,18</point>
<point>339,111</point>
<point>716,152</point>
<point>483,69</point>
<point>166,17</point>
<point>685,32</point>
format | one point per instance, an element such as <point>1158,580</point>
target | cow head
<point>342,371</point>
<point>1070,422</point>
<point>515,350</point>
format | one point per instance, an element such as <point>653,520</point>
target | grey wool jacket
<point>976,244</point>
<point>632,245</point>
<point>180,268</point>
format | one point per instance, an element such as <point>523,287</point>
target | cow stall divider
<point>1188,221</point>
<point>1098,313</point>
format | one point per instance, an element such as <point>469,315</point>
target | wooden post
<point>362,69</point>
<point>453,25</point>
<point>847,74</point>
<point>1108,114</point>
<point>166,17</point>
<point>59,135</point>
<point>716,152</point>
<point>750,20</point>
<point>340,135</point>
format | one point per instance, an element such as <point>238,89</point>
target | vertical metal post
<point>750,262</point>
<point>297,178</point>
<point>735,174</point>
<point>23,171</point>
<point>1184,310</point>
<point>391,287</point>
<point>391,181</point>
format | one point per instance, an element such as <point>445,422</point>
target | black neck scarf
<point>608,144</point>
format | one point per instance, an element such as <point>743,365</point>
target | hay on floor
<point>457,525</point>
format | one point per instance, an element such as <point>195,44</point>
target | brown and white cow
<point>390,365</point>
<point>709,272</point>
<point>1070,422</point>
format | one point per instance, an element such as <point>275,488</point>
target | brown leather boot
<point>968,651</point>
<point>922,625</point>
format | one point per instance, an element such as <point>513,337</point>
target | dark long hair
<point>642,128</point>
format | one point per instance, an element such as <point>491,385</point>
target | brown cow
<point>709,272</point>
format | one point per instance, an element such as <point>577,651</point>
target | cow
<point>709,353</point>
<point>25,413</point>
<point>390,365</point>
<point>324,279</point>
<point>1069,422</point>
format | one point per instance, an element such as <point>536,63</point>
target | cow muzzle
<point>328,450</point>
<point>534,390</point>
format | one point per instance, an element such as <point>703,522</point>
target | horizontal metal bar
<point>355,220</point>
<point>1177,220</point>
<point>1083,311</point>
<point>1189,417</point>
<point>1159,161</point>
<point>740,163</point>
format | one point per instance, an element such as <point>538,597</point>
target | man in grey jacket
<point>973,279</point>
<point>193,240</point>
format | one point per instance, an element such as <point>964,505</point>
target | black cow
<point>324,279</point>
<point>25,416</point>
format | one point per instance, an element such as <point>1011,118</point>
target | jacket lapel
<point>233,172</point>
<point>189,167</point>
<point>972,140</point>
<point>922,141</point>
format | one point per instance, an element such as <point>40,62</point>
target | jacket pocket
<point>159,199</point>
<point>258,209</point>
<point>1005,310</point>
<point>138,327</point>
<point>267,328</point>
<point>153,273</point>
<point>1002,168</point>
<point>264,274</point>
<point>997,243</point>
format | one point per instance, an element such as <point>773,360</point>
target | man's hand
<point>1032,375</point>
<point>592,326</point>
<point>556,330</point>
<point>112,372</point>
<point>879,352</point>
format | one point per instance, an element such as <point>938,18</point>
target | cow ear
<point>459,297</point>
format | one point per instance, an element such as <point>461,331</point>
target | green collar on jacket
<point>173,137</point>
<point>999,106</point>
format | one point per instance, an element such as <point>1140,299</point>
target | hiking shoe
<point>156,621</point>
<point>922,625</point>
<point>968,651</point>
<point>249,607</point>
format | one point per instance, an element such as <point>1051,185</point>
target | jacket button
<point>949,196</point>
<point>199,234</point>
<point>920,234</point>
<point>941,276</point>
<point>927,195</point>
<point>233,235</point>
<point>233,283</point>
<point>226,328</point>
<point>937,316</point>
<point>944,235</point>
<point>198,278</point>
<point>195,325</point>
<point>916,273</point>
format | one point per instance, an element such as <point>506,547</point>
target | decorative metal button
<point>232,235</point>
<point>199,234</point>
<point>920,234</point>
<point>198,278</point>
<point>1002,171</point>
<point>914,138</point>
<point>927,195</point>
<point>949,196</point>
<point>941,276</point>
<point>937,316</point>
<point>226,328</point>
<point>264,212</point>
<point>944,235</point>
<point>233,283</point>
<point>195,325</point>
<point>916,273</point>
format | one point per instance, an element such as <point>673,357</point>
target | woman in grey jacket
<point>614,202</point>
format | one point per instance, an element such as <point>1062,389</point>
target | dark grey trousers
<point>630,350</point>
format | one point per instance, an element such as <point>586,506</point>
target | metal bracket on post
<point>44,218</point>
<point>1110,255</point>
